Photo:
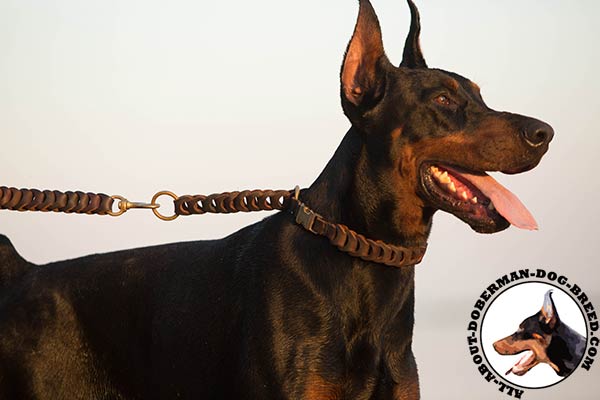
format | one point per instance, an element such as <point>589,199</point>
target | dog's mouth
<point>474,197</point>
<point>525,363</point>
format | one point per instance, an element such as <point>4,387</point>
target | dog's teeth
<point>474,200</point>
<point>464,195</point>
<point>444,178</point>
<point>491,206</point>
<point>451,187</point>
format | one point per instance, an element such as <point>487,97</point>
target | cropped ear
<point>362,76</point>
<point>549,316</point>
<point>413,57</point>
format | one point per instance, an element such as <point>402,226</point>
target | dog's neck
<point>365,191</point>
<point>566,349</point>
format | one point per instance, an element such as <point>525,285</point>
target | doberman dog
<point>273,311</point>
<point>545,339</point>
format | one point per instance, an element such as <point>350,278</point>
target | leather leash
<point>340,236</point>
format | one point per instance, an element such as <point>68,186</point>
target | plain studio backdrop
<point>132,97</point>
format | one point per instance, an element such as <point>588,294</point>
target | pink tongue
<point>506,203</point>
<point>520,366</point>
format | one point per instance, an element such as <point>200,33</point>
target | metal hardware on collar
<point>155,209</point>
<point>305,217</point>
<point>125,205</point>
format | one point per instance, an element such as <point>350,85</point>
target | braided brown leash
<point>53,200</point>
<point>342,237</point>
<point>231,202</point>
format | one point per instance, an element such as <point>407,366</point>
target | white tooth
<point>491,206</point>
<point>445,178</point>
<point>464,195</point>
<point>451,187</point>
<point>474,200</point>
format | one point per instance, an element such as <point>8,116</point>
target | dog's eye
<point>443,100</point>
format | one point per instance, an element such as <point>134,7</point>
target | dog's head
<point>533,337</point>
<point>430,135</point>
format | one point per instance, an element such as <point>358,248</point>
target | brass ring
<point>155,210</point>
<point>122,209</point>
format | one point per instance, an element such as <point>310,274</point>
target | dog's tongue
<point>505,202</point>
<point>521,366</point>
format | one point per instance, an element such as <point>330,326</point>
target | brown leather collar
<point>352,242</point>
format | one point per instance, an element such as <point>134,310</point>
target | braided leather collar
<point>354,243</point>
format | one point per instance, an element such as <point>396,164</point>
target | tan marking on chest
<point>318,388</point>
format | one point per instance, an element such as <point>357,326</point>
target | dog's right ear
<point>362,76</point>
<point>549,316</point>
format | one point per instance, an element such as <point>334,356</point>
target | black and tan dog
<point>544,338</point>
<point>273,311</point>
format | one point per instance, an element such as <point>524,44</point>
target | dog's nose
<point>537,133</point>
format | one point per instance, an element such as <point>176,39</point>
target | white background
<point>130,97</point>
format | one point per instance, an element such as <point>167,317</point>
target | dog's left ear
<point>413,57</point>
<point>363,71</point>
<point>549,316</point>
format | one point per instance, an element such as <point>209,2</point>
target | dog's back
<point>12,265</point>
<point>124,323</point>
